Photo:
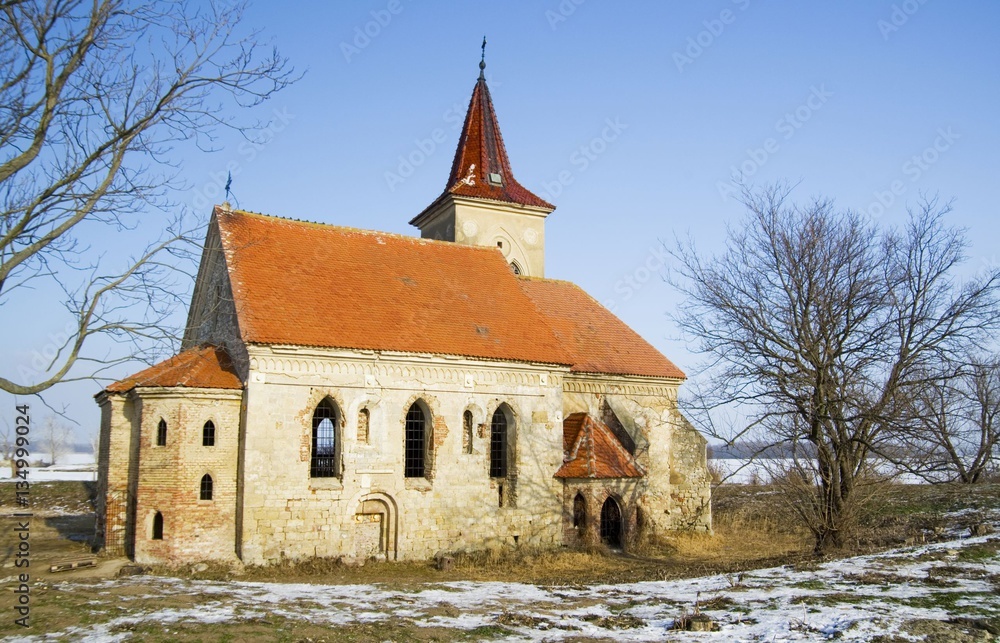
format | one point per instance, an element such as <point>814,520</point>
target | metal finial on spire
<point>482,61</point>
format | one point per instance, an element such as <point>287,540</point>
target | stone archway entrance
<point>611,524</point>
<point>375,528</point>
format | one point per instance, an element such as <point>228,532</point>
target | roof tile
<point>200,367</point>
<point>311,284</point>
<point>591,450</point>
<point>480,153</point>
<point>594,340</point>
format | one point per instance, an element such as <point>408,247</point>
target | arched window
<point>416,443</point>
<point>514,268</point>
<point>161,433</point>
<point>324,441</point>
<point>158,526</point>
<point>364,418</point>
<point>208,434</point>
<point>611,523</point>
<point>467,429</point>
<point>206,487</point>
<point>580,513</point>
<point>498,445</point>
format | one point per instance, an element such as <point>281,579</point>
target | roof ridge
<point>365,231</point>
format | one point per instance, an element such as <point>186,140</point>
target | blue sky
<point>630,117</point>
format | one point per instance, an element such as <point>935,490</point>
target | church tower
<point>482,204</point>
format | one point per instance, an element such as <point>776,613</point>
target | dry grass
<point>752,528</point>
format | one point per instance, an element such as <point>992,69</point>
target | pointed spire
<point>481,167</point>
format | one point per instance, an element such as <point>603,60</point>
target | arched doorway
<point>611,524</point>
<point>375,530</point>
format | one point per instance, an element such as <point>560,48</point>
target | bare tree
<point>816,324</point>
<point>56,438</point>
<point>951,428</point>
<point>94,95</point>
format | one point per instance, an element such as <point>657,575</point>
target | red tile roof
<point>594,340</point>
<point>310,284</point>
<point>201,367</point>
<point>481,152</point>
<point>591,450</point>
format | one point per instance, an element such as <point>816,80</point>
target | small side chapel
<point>357,394</point>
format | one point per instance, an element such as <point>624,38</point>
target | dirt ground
<point>753,529</point>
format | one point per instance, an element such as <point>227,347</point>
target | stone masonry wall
<point>677,486</point>
<point>690,481</point>
<point>212,318</point>
<point>371,509</point>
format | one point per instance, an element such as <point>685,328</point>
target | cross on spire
<point>482,61</point>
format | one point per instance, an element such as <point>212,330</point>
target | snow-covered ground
<point>855,599</point>
<point>71,466</point>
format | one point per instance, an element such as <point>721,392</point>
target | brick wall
<point>169,476</point>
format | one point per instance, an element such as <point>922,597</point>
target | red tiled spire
<point>481,156</point>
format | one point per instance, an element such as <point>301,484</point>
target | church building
<point>356,394</point>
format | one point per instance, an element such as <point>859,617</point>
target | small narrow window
<point>206,487</point>
<point>580,513</point>
<point>364,417</point>
<point>498,445</point>
<point>158,526</point>
<point>324,441</point>
<point>208,434</point>
<point>514,268</point>
<point>467,429</point>
<point>161,433</point>
<point>416,443</point>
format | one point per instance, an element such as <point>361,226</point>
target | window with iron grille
<point>157,526</point>
<point>467,430</point>
<point>324,441</point>
<point>161,433</point>
<point>416,443</point>
<point>498,445</point>
<point>208,434</point>
<point>206,487</point>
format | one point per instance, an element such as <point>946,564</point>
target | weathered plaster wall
<point>519,230</point>
<point>371,508</point>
